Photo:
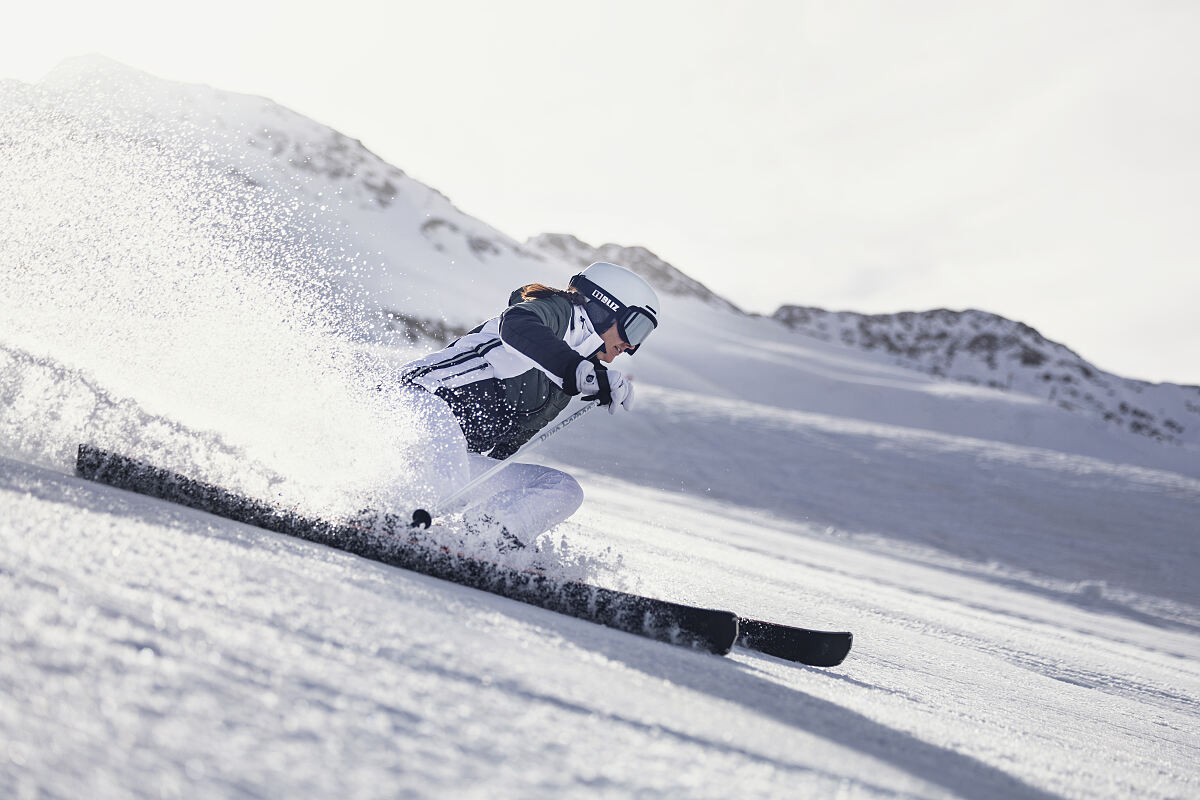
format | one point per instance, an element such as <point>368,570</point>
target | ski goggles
<point>634,323</point>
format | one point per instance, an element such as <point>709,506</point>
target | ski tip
<point>801,645</point>
<point>421,519</point>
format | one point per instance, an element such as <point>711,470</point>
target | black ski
<point>815,648</point>
<point>707,629</point>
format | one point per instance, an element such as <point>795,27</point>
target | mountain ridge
<point>664,276</point>
<point>982,348</point>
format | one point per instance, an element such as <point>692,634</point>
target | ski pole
<point>423,519</point>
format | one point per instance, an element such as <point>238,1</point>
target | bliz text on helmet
<point>603,298</point>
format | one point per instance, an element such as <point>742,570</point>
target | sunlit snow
<point>221,286</point>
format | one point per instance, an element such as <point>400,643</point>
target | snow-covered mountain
<point>405,235</point>
<point>663,276</point>
<point>223,287</point>
<point>973,347</point>
<point>989,350</point>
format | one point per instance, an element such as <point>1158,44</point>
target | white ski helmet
<point>616,294</point>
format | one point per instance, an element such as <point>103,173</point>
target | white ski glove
<point>608,386</point>
<point>585,379</point>
<point>621,391</point>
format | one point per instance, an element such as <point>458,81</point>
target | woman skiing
<point>509,377</point>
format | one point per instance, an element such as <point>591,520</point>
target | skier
<point>509,377</point>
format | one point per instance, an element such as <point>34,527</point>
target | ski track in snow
<point>185,641</point>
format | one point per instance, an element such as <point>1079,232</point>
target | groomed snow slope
<point>153,651</point>
<point>1020,580</point>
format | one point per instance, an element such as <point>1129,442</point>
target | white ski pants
<point>527,499</point>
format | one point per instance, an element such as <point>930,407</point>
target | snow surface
<point>218,285</point>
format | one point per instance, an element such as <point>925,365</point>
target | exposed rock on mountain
<point>989,350</point>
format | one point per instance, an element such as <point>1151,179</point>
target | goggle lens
<point>636,327</point>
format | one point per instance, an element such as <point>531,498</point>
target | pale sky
<point>1039,160</point>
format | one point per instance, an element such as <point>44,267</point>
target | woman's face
<point>614,345</point>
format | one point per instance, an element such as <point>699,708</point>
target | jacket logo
<point>606,300</point>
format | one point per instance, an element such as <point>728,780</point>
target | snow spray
<point>161,295</point>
